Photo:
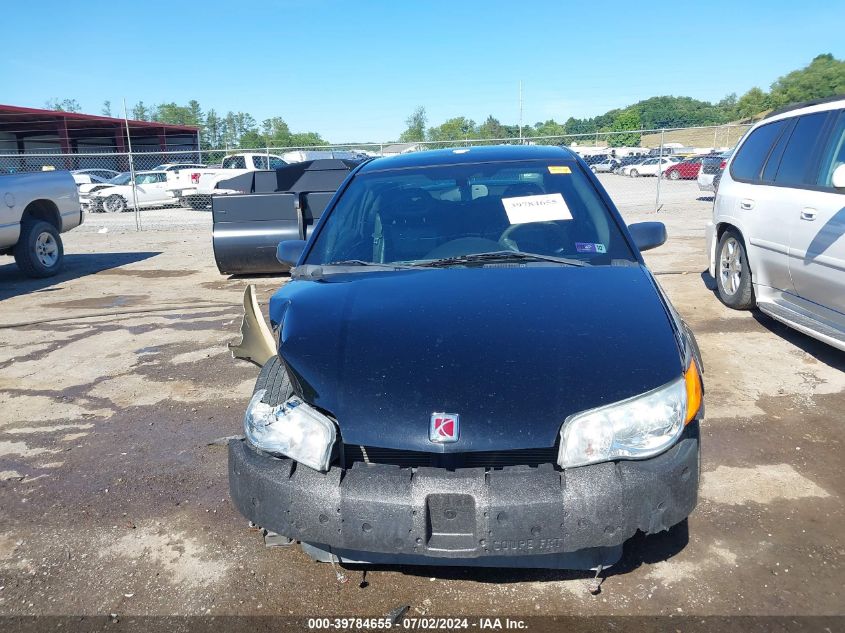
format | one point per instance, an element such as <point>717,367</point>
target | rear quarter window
<point>803,146</point>
<point>748,163</point>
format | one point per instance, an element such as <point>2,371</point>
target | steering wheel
<point>509,237</point>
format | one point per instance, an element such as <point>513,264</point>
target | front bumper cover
<point>468,513</point>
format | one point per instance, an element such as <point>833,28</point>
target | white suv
<point>776,240</point>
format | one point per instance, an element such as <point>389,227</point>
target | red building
<point>30,138</point>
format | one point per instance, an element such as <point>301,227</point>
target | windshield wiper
<point>315,271</point>
<point>361,262</point>
<point>501,256</point>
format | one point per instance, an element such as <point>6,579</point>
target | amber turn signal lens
<point>693,383</point>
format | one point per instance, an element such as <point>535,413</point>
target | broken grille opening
<point>353,453</point>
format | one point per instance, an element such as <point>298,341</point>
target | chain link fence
<point>641,169</point>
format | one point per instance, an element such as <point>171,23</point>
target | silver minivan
<point>776,240</point>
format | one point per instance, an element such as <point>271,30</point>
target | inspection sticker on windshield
<point>589,247</point>
<point>544,208</point>
<point>559,169</point>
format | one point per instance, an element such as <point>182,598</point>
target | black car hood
<point>513,351</point>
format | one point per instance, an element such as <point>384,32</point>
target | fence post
<point>660,169</point>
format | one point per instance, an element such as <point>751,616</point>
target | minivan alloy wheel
<point>730,266</point>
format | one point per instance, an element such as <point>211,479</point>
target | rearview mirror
<point>648,234</point>
<point>289,251</point>
<point>838,178</point>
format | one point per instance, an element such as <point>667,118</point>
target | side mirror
<point>838,179</point>
<point>289,251</point>
<point>647,234</point>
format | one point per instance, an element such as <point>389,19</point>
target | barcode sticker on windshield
<point>545,208</point>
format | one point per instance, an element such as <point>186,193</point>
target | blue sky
<point>356,70</point>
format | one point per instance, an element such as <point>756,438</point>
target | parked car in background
<point>629,160</point>
<point>177,166</point>
<point>194,187</point>
<point>150,191</point>
<point>428,293</point>
<point>37,208</point>
<point>605,166</point>
<point>777,239</point>
<point>650,166</point>
<point>687,169</point>
<point>94,175</point>
<point>711,171</point>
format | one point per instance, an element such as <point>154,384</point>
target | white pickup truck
<point>194,187</point>
<point>35,208</point>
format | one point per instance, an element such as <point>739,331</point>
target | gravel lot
<point>115,383</point>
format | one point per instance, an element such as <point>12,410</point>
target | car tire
<point>733,274</point>
<point>674,175</point>
<point>633,173</point>
<point>274,378</point>
<point>39,252</point>
<point>114,204</point>
<point>593,169</point>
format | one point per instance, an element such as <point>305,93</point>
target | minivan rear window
<point>798,156</point>
<point>748,162</point>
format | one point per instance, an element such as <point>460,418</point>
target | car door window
<point>276,163</point>
<point>773,161</point>
<point>234,162</point>
<point>834,155</point>
<point>259,162</point>
<point>748,162</point>
<point>804,143</point>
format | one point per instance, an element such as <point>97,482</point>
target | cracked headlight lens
<point>294,429</point>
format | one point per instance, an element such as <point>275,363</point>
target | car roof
<point>468,155</point>
<point>808,107</point>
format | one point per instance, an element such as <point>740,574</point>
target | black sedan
<point>474,367</point>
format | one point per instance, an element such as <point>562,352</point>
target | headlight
<point>292,428</point>
<point>636,428</point>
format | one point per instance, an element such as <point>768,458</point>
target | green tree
<point>106,111</point>
<point>823,77</point>
<point>276,132</point>
<point>752,103</point>
<point>195,116</point>
<point>63,105</point>
<point>213,131</point>
<point>624,126</point>
<point>454,129</point>
<point>306,139</point>
<point>251,139</point>
<point>549,128</point>
<point>415,132</point>
<point>491,128</point>
<point>140,112</point>
<point>171,114</point>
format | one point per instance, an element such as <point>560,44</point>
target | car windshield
<point>418,215</point>
<point>120,179</point>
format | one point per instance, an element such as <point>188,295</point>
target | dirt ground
<point>116,385</point>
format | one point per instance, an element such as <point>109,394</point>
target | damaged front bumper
<point>514,516</point>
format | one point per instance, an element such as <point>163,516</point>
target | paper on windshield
<point>543,208</point>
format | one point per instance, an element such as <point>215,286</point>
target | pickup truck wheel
<point>39,251</point>
<point>114,204</point>
<point>274,378</point>
<point>733,274</point>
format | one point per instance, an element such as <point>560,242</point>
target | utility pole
<point>520,111</point>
